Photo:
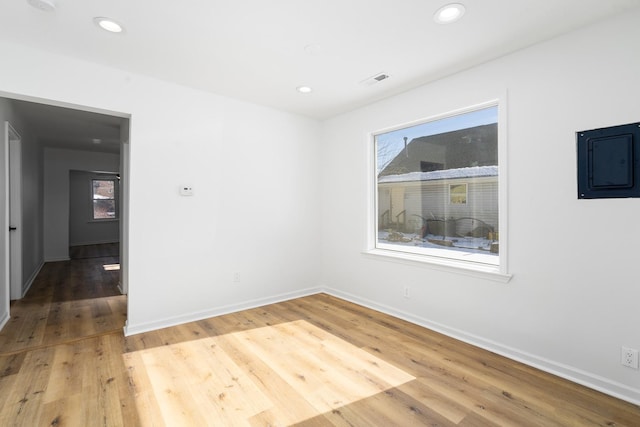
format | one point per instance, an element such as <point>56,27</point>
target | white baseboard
<point>217,311</point>
<point>95,242</point>
<point>32,278</point>
<point>57,259</point>
<point>587,379</point>
<point>4,320</point>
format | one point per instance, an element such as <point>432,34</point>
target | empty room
<point>319,213</point>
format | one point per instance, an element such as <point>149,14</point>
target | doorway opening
<point>54,139</point>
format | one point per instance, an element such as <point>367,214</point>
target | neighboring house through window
<point>437,191</point>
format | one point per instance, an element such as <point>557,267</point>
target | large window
<point>104,199</point>
<point>437,190</point>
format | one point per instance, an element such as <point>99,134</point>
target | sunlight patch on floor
<point>282,375</point>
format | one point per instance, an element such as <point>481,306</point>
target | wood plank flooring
<point>313,361</point>
<point>94,251</point>
<point>68,300</point>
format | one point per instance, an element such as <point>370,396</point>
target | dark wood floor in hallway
<point>94,251</point>
<point>312,361</point>
<point>68,300</point>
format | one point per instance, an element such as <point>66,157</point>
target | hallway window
<point>104,199</point>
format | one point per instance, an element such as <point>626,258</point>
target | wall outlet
<point>405,292</point>
<point>236,277</point>
<point>629,357</point>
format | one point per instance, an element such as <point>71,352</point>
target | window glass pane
<point>437,187</point>
<point>103,209</point>
<point>104,203</point>
<point>103,189</point>
<point>458,194</point>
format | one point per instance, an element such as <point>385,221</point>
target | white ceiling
<point>71,129</point>
<point>261,50</point>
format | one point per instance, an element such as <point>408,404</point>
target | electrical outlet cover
<point>629,357</point>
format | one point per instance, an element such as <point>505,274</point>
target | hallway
<point>68,301</point>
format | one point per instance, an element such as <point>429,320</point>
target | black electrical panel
<point>609,162</point>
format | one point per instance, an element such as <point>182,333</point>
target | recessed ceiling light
<point>449,13</point>
<point>108,24</point>
<point>96,140</point>
<point>304,89</point>
<point>43,5</point>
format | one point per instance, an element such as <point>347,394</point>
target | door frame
<point>124,208</point>
<point>4,227</point>
<point>11,240</point>
<point>15,211</point>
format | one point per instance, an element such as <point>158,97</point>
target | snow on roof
<point>472,172</point>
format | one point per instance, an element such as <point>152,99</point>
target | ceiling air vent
<point>375,79</point>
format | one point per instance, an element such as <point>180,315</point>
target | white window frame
<point>115,180</point>
<point>457,262</point>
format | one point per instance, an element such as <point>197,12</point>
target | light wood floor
<point>313,361</point>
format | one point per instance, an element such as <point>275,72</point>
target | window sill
<point>93,221</point>
<point>483,271</point>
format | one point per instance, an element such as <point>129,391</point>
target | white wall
<point>83,230</point>
<point>57,164</point>
<point>254,171</point>
<point>574,297</point>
